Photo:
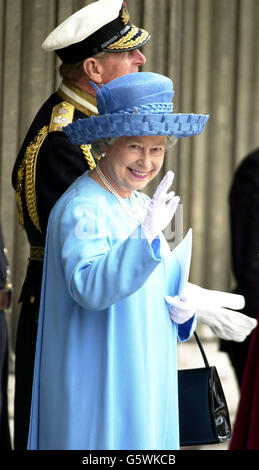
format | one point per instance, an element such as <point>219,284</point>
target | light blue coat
<point>106,360</point>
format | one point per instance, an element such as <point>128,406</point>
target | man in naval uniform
<point>106,46</point>
<point>98,43</point>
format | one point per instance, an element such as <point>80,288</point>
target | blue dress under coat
<point>105,372</point>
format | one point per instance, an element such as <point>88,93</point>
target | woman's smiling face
<point>132,162</point>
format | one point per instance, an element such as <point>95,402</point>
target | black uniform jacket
<point>45,167</point>
<point>244,221</point>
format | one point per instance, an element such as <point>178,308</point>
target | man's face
<point>116,64</point>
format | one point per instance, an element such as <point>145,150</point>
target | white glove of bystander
<point>161,209</point>
<point>225,323</point>
<point>180,309</point>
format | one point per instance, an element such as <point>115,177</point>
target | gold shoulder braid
<point>86,149</point>
<point>62,115</point>
<point>28,168</point>
<point>31,156</point>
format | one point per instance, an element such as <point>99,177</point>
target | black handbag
<point>203,411</point>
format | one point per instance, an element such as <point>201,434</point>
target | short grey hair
<point>75,71</point>
<point>98,146</point>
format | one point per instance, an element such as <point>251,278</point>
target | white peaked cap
<point>101,26</point>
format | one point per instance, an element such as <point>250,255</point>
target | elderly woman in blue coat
<point>111,307</point>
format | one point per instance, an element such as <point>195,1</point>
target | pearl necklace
<point>136,198</point>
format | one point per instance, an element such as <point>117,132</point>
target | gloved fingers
<point>213,297</point>
<point>163,186</point>
<point>183,303</point>
<point>229,334</point>
<point>161,209</point>
<point>163,198</point>
<point>228,299</point>
<point>173,204</point>
<point>180,316</point>
<point>241,321</point>
<point>227,324</point>
<point>172,300</point>
<point>223,334</point>
<point>221,325</point>
<point>239,337</point>
<point>180,311</point>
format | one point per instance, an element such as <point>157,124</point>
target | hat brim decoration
<point>117,125</point>
<point>136,104</point>
<point>101,26</point>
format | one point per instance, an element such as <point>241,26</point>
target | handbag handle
<point>206,362</point>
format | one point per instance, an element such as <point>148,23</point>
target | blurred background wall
<point>210,50</point>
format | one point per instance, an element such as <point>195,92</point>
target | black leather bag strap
<point>206,362</point>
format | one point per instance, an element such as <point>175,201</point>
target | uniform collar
<point>78,98</point>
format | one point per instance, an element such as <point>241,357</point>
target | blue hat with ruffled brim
<point>135,104</point>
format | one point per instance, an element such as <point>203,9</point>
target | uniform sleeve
<point>99,274</point>
<point>59,164</point>
<point>244,221</point>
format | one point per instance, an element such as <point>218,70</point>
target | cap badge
<point>124,14</point>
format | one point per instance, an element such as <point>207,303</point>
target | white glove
<point>180,309</point>
<point>161,209</point>
<point>226,324</point>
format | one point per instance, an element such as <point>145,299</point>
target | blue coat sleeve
<point>100,271</point>
<point>186,330</point>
